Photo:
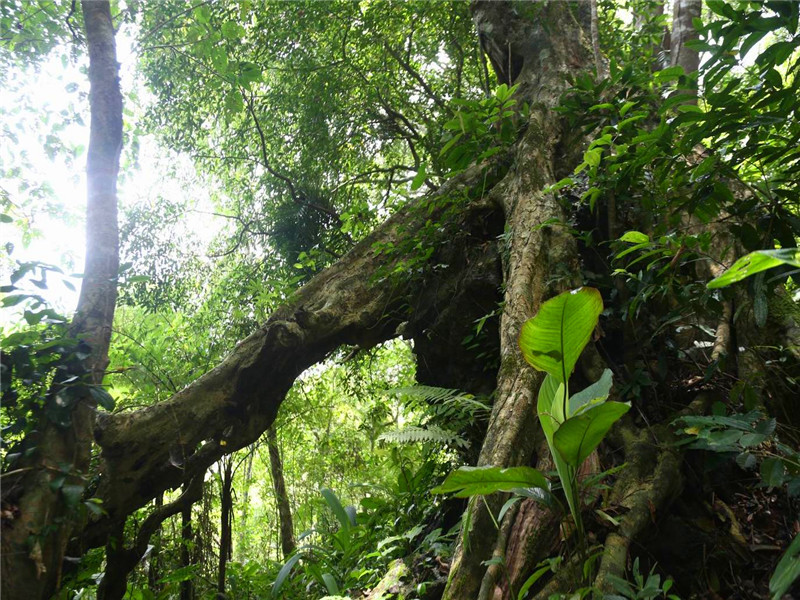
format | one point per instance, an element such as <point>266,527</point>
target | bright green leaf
<point>787,571</point>
<point>595,393</point>
<point>419,178</point>
<point>755,262</point>
<point>635,237</point>
<point>578,436</point>
<point>472,481</point>
<point>553,340</point>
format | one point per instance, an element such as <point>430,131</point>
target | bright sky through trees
<point>45,131</point>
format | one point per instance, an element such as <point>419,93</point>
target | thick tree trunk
<point>542,260</point>
<point>226,513</point>
<point>281,496</point>
<point>32,552</point>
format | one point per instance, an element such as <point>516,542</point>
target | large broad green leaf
<point>755,262</point>
<point>578,436</point>
<point>594,394</point>
<point>472,481</point>
<point>787,571</point>
<point>553,340</point>
<point>283,574</point>
<point>550,405</point>
<point>336,507</point>
<point>330,584</point>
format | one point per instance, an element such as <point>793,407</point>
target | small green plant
<point>641,588</point>
<point>574,425</point>
<point>327,567</point>
<point>787,571</point>
<point>750,439</point>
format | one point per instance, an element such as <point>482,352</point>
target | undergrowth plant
<point>574,425</point>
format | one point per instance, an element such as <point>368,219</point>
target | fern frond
<point>426,393</point>
<point>428,434</point>
<point>443,402</point>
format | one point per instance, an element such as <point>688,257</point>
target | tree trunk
<point>226,512</point>
<point>542,260</point>
<point>281,496</point>
<point>244,538</point>
<point>683,14</point>
<point>187,587</point>
<point>122,559</point>
<point>31,553</point>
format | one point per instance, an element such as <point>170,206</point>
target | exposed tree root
<point>499,569</point>
<point>646,487</point>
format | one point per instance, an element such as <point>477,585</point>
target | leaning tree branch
<point>353,302</point>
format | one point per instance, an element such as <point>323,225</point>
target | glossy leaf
<point>755,262</point>
<point>336,507</point>
<point>553,340</point>
<point>286,569</point>
<point>472,481</point>
<point>635,237</point>
<point>577,437</point>
<point>787,571</point>
<point>594,394</point>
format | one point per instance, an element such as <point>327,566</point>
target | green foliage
<point>429,434</point>
<point>475,481</point>
<point>340,561</point>
<point>641,588</point>
<point>482,128</point>
<point>42,370</point>
<point>574,426</point>
<point>787,571</point>
<point>750,439</point>
<point>663,160</point>
<point>334,120</point>
<point>444,414</point>
<point>756,262</point>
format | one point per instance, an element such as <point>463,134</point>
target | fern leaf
<point>430,434</point>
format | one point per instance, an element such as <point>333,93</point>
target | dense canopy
<point>421,300</point>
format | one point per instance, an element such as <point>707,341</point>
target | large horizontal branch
<point>355,302</point>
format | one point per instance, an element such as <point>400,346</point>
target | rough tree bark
<point>281,495</point>
<point>33,544</point>
<point>542,260</point>
<point>226,516</point>
<point>187,586</point>
<point>683,14</point>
